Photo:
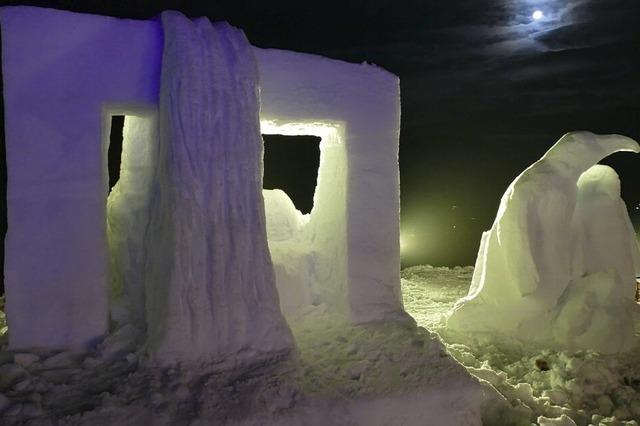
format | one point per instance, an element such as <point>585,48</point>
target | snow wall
<point>558,266</point>
<point>352,236</point>
<point>62,74</point>
<point>66,74</point>
<point>210,284</point>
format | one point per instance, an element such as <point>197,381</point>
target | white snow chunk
<point>563,420</point>
<point>25,359</point>
<point>284,221</point>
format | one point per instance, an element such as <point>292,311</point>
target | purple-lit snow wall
<point>62,72</point>
<point>65,74</point>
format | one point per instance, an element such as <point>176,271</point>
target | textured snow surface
<point>558,265</point>
<point>538,386</point>
<point>343,374</point>
<point>211,293</point>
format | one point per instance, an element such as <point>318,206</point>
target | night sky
<point>486,90</point>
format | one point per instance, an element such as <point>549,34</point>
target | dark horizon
<point>486,90</point>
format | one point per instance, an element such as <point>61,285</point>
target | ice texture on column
<point>542,253</point>
<point>211,291</point>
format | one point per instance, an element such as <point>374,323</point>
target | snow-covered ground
<point>584,387</point>
<point>340,374</point>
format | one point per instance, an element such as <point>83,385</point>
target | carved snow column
<point>211,292</point>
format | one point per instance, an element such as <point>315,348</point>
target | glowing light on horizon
<point>406,242</point>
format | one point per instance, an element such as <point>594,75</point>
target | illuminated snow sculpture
<point>181,241</point>
<point>558,265</point>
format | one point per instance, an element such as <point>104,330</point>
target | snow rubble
<point>59,92</point>
<point>543,386</point>
<point>558,266</point>
<point>344,374</point>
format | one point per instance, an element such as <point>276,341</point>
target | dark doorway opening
<point>114,154</point>
<point>291,164</point>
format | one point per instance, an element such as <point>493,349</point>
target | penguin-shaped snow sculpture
<point>525,260</point>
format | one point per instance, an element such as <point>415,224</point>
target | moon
<point>537,15</point>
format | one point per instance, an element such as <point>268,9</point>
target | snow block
<point>62,72</point>
<point>211,291</point>
<point>559,263</point>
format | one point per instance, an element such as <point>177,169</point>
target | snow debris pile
<point>540,386</point>
<point>343,374</point>
<point>558,266</point>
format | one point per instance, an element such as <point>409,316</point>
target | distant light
<point>406,240</point>
<point>537,15</point>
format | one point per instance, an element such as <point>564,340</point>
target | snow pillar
<point>373,206</point>
<point>211,291</point>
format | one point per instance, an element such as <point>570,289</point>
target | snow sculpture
<point>180,247</point>
<point>560,255</point>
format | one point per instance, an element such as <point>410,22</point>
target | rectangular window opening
<point>114,154</point>
<point>291,164</point>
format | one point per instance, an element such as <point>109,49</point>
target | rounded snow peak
<point>580,150</point>
<point>599,180</point>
